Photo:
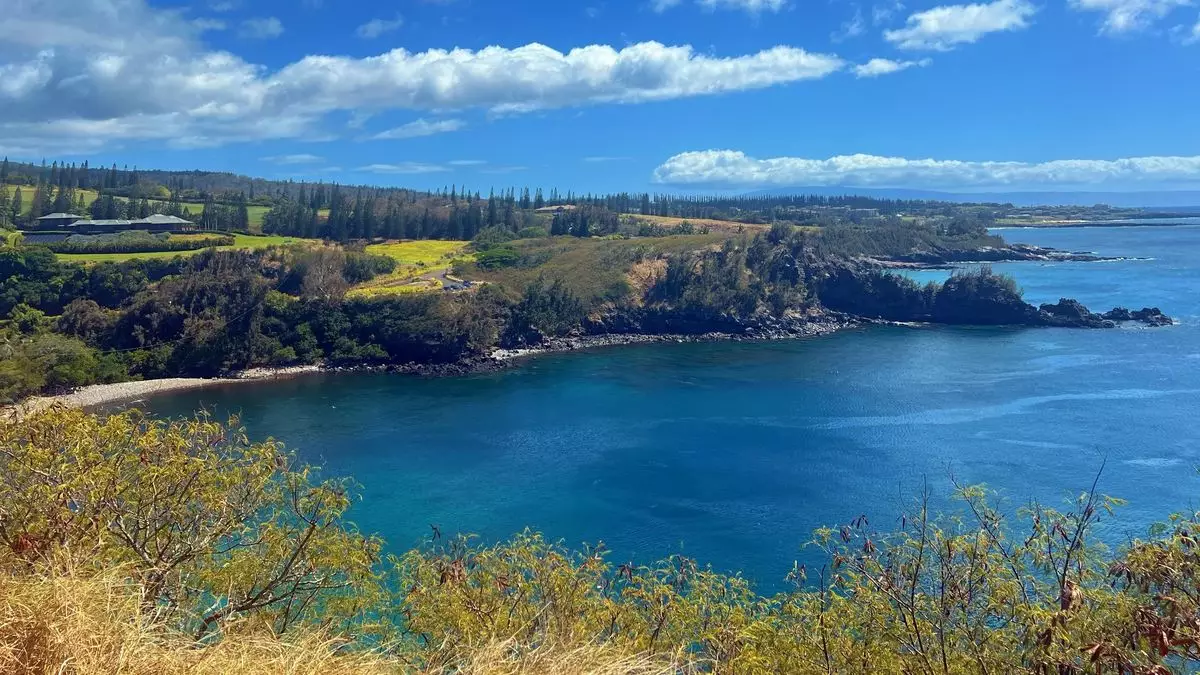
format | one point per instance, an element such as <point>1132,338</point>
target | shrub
<point>136,241</point>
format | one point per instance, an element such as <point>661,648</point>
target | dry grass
<point>500,658</point>
<point>91,626</point>
<point>725,226</point>
<point>76,626</point>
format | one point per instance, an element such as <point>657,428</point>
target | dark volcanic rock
<point>1073,314</point>
<point>1152,316</point>
<point>1010,253</point>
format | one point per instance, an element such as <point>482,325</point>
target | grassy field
<point>240,241</point>
<point>419,262</point>
<point>595,270</point>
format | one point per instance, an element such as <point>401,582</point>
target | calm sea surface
<point>733,453</point>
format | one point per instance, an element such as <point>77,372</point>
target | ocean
<point>733,453</point>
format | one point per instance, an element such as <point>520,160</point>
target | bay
<point>734,452</point>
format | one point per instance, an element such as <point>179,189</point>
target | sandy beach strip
<point>103,394</point>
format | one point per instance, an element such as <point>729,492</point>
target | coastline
<point>104,394</point>
<point>500,359</point>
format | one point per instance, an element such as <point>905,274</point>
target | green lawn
<point>239,241</point>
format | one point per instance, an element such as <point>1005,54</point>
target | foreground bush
<point>183,539</point>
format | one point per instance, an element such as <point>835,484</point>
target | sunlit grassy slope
<point>418,265</point>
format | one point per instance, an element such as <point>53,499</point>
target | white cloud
<point>852,27</point>
<point>78,75</point>
<point>20,79</point>
<point>222,5</point>
<point>420,128</point>
<point>942,28</point>
<point>884,12</point>
<point>403,168</point>
<point>751,6</point>
<point>1126,16</point>
<point>376,27</point>
<point>535,77</point>
<point>877,67</point>
<point>261,29</point>
<point>467,162</point>
<point>294,159</point>
<point>203,25</point>
<point>1194,36</point>
<point>733,169</point>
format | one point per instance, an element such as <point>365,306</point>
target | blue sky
<point>615,95</point>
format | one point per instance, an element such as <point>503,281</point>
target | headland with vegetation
<point>438,282</point>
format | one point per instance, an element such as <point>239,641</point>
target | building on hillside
<point>56,220</point>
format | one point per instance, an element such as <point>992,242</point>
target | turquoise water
<point>733,453</point>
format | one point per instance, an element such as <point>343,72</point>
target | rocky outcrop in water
<point>1009,253</point>
<point>978,298</point>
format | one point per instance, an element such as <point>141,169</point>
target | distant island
<point>109,275</point>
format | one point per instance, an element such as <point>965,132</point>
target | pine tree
<point>15,207</point>
<point>4,172</point>
<point>35,206</point>
<point>4,205</point>
<point>242,224</point>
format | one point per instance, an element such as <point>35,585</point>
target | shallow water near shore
<point>734,452</point>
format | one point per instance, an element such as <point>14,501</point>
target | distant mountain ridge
<point>1150,199</point>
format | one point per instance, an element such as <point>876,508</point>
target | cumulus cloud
<point>294,159</point>
<point>733,169</point>
<point>376,27</point>
<point>943,28</point>
<point>1126,16</point>
<point>420,128</point>
<point>76,75</point>
<point>535,77</point>
<point>261,29</point>
<point>877,67</point>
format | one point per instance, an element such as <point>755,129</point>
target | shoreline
<point>105,394</point>
<point>95,395</point>
<point>498,360</point>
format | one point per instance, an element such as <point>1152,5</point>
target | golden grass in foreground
<point>77,626</point>
<point>93,626</point>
